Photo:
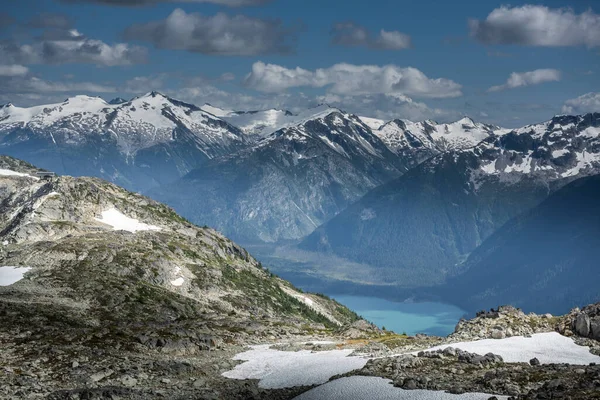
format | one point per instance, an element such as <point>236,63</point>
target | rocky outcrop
<point>586,322</point>
<point>506,321</point>
<point>458,371</point>
<point>114,303</point>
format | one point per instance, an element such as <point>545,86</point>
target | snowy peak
<point>262,123</point>
<point>373,123</point>
<point>401,135</point>
<point>564,147</point>
<point>216,111</point>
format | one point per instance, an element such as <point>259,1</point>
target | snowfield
<point>368,387</point>
<point>549,348</point>
<point>121,222</point>
<point>281,369</point>
<point>10,275</point>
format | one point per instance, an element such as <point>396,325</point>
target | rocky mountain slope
<point>141,143</point>
<point>106,270</point>
<point>289,183</point>
<point>421,226</point>
<point>543,260</point>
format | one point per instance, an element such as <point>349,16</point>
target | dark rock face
<point>582,325</point>
<point>586,322</point>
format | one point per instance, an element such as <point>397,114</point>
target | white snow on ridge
<point>369,387</point>
<point>121,222</point>
<point>281,369</point>
<point>549,348</point>
<point>373,123</point>
<point>216,111</point>
<point>10,275</point>
<point>8,172</point>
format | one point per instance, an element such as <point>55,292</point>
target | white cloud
<point>519,79</point>
<point>393,40</point>
<point>220,34</point>
<point>587,103</point>
<point>72,47</point>
<point>13,70</point>
<point>352,34</point>
<point>349,79</point>
<point>532,25</point>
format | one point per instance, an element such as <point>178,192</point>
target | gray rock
<point>128,381</point>
<point>534,361</point>
<point>98,376</point>
<point>595,328</point>
<point>498,334</point>
<point>582,325</point>
<point>410,384</point>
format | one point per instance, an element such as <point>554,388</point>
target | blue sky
<point>427,59</point>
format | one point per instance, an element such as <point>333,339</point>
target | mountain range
<point>411,199</point>
<point>139,144</point>
<point>421,226</point>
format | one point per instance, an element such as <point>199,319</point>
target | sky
<point>506,64</point>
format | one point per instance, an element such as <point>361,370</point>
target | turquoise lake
<point>429,318</point>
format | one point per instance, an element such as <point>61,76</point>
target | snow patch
<point>369,387</point>
<point>281,369</point>
<point>8,172</point>
<point>121,222</point>
<point>559,153</point>
<point>372,123</point>
<point>548,347</point>
<point>178,282</point>
<point>10,275</point>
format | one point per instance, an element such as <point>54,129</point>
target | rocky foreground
<point>120,298</point>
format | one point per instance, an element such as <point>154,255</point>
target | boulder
<point>534,361</point>
<point>498,334</point>
<point>582,325</point>
<point>595,328</point>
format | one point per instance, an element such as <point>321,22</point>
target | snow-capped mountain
<point>255,124</point>
<point>140,143</point>
<point>421,226</point>
<point>290,182</point>
<point>401,135</point>
<point>261,123</point>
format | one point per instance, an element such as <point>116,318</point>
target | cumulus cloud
<point>13,70</point>
<point>532,25</point>
<point>349,79</point>
<point>220,34</point>
<point>519,79</point>
<point>227,3</point>
<point>71,47</point>
<point>589,102</point>
<point>22,85</point>
<point>352,34</point>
